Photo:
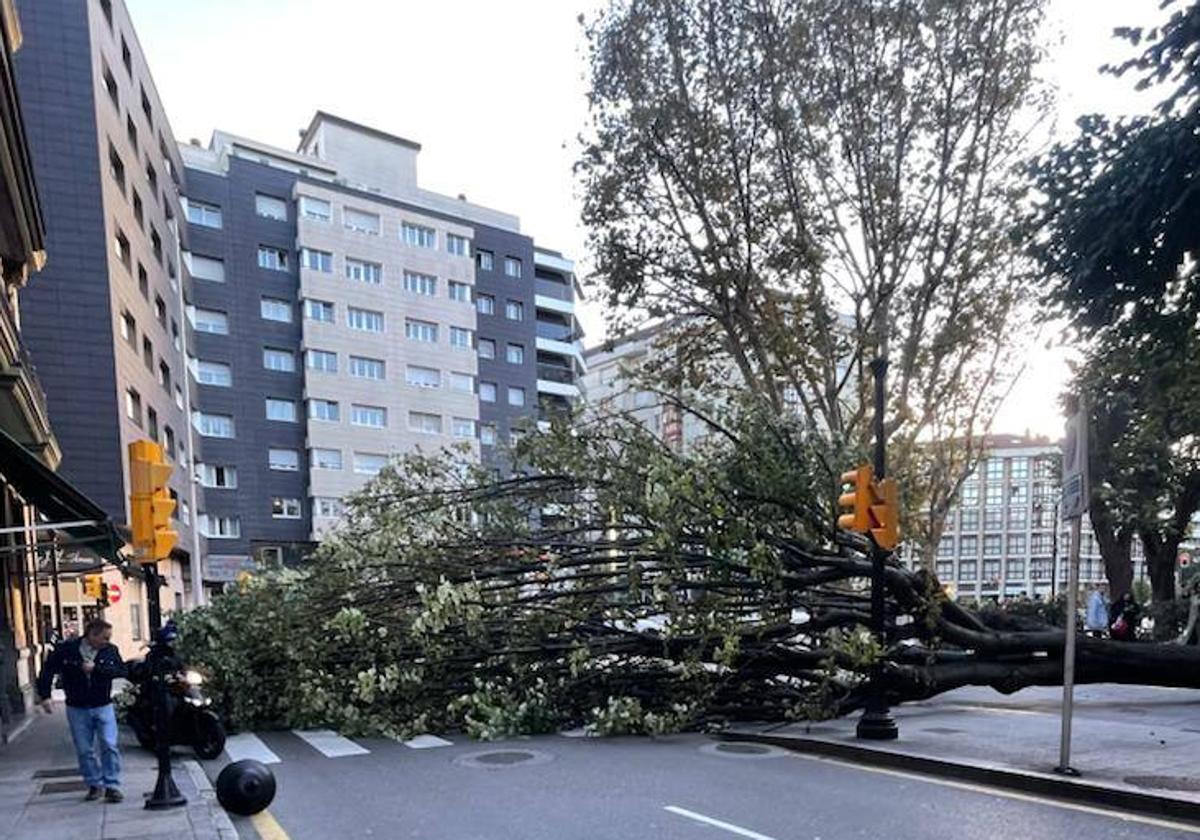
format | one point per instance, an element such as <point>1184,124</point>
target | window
<point>315,208</point>
<point>278,359</point>
<point>138,212</point>
<point>1042,544</point>
<point>420,331</point>
<point>204,214</point>
<point>318,310</point>
<point>945,571</point>
<point>206,268</point>
<point>152,424</point>
<point>1018,494</point>
<point>418,236</point>
<point>360,221</point>
<point>143,281</point>
<point>366,368</point>
<point>1016,569</point>
<point>131,132</point>
<point>1017,517</point>
<point>285,460</point>
<point>121,248</point>
<point>323,410</point>
<point>968,570</point>
<point>995,469</point>
<point>1043,468</point>
<point>270,207</point>
<point>214,373</point>
<point>970,494</point>
<point>220,527</point>
<point>460,337</point>
<point>369,463</point>
<point>160,310</point>
<point>327,506</point>
<point>458,245</point>
<point>487,434</point>
<point>147,353</point>
<point>945,547</point>
<point>283,411</point>
<point>968,546</point>
<point>514,354</point>
<point>463,383</point>
<point>316,260</point>
<point>487,392</point>
<point>1016,544</point>
<point>485,260</point>
<point>993,519</point>
<point>129,329</point>
<point>423,377</point>
<point>516,396</point>
<point>994,495</point>
<point>217,475</point>
<point>420,284</point>
<point>275,309</point>
<point>426,424</point>
<point>1018,469</point>
<point>110,85</point>
<point>169,441</point>
<point>322,360</point>
<point>326,459</point>
<point>213,425</point>
<point>156,245</point>
<point>487,348</point>
<point>366,320</point>
<point>970,519</point>
<point>364,272</point>
<point>116,168</point>
<point>285,508</point>
<point>126,55</point>
<point>514,310</point>
<point>485,304</point>
<point>991,545</point>
<point>146,109</point>
<point>371,416</point>
<point>275,259</point>
<point>512,267</point>
<point>462,427</point>
<point>179,402</point>
<point>164,375</point>
<point>460,292</point>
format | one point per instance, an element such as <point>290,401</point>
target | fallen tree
<point>612,583</point>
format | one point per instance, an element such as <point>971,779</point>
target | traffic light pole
<point>166,793</point>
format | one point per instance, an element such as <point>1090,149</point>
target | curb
<point>224,826</point>
<point>1150,804</point>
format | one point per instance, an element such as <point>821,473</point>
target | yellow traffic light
<point>885,513</point>
<point>150,502</point>
<point>857,501</point>
<point>92,586</point>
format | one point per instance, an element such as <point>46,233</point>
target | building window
<point>487,434</point>
<point>156,245</point>
<point>179,401</point>
<point>147,353</point>
<point>967,570</point>
<point>217,475</point>
<point>323,410</point>
<point>1018,469</point>
<point>284,460</point>
<point>1017,517</point>
<point>326,459</point>
<point>315,208</point>
<point>116,168</point>
<point>969,495</point>
<point>369,463</point>
<point>169,441</point>
<point>418,236</point>
<point>514,310</point>
<point>214,373</point>
<point>364,272</point>
<point>420,331</point>
<point>143,281</point>
<point>993,495</point>
<point>516,396</point>
<point>146,109</point>
<point>460,337</point>
<point>361,221</point>
<point>278,359</point>
<point>970,519</point>
<point>164,376</point>
<point>995,469</point>
<point>945,571</point>
<point>1018,494</point>
<point>285,508</point>
<point>129,329</point>
<point>160,310</point>
<point>131,132</point>
<point>152,423</point>
<point>275,309</point>
<point>204,214</point>
<point>463,383</point>
<point>316,260</point>
<point>371,416</point>
<point>206,268</point>
<point>945,547</point>
<point>512,267</point>
<point>420,284</point>
<point>139,214</point>
<point>423,423</point>
<point>487,392</point>
<point>270,207</point>
<point>283,411</point>
<point>1016,544</point>
<point>322,360</point>
<point>121,248</point>
<point>485,304</point>
<point>993,519</point>
<point>220,527</point>
<point>1016,569</point>
<point>175,337</point>
<point>213,425</point>
<point>460,246</point>
<point>485,260</point>
<point>487,348</point>
<point>423,377</point>
<point>366,368</point>
<point>968,546</point>
<point>462,427</point>
<point>110,85</point>
<point>318,310</point>
<point>327,506</point>
<point>514,354</point>
<point>991,545</point>
<point>460,292</point>
<point>366,320</point>
<point>275,259</point>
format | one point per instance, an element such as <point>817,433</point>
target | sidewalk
<point>41,793</point>
<point>1135,747</point>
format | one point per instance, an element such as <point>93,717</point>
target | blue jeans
<point>86,726</point>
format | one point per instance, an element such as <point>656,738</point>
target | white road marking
<point>1011,794</point>
<point>736,829</point>
<point>329,743</point>
<point>427,742</point>
<point>249,745</point>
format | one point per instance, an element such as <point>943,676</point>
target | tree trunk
<point>1115,543</point>
<point>1162,556</point>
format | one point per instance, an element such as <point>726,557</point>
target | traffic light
<point>103,597</point>
<point>857,501</point>
<point>150,502</point>
<point>885,513</point>
<point>92,586</point>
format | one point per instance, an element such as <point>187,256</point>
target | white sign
<point>1075,489</point>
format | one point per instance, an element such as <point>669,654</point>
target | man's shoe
<point>113,795</point>
<point>93,793</point>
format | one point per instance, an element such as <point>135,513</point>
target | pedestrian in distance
<point>1097,614</point>
<point>87,666</point>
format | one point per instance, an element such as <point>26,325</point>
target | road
<point>684,787</point>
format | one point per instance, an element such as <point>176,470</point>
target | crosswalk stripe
<point>329,743</point>
<point>427,742</point>
<point>249,745</point>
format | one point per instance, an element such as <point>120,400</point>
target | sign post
<point>1075,490</point>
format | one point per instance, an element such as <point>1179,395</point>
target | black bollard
<point>245,787</point>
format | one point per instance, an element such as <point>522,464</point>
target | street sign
<point>1075,489</point>
<point>114,593</point>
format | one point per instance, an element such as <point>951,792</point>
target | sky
<point>494,91</point>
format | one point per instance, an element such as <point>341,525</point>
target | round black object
<point>209,737</point>
<point>245,787</point>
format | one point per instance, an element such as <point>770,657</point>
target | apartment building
<point>340,315</point>
<point>104,328</point>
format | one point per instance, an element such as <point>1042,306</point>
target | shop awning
<point>62,507</point>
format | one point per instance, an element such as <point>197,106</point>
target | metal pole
<point>1054,555</point>
<point>1064,749</point>
<point>57,591</point>
<point>166,793</point>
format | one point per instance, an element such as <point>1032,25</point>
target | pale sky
<point>494,92</point>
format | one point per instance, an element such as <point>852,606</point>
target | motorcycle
<point>192,721</point>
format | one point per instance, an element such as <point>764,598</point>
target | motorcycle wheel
<point>210,735</point>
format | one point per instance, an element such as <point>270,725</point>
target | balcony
<point>552,289</point>
<point>556,332</point>
<point>555,373</point>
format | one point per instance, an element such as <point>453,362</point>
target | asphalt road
<point>679,788</point>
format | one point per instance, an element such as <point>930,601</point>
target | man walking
<point>88,665</point>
